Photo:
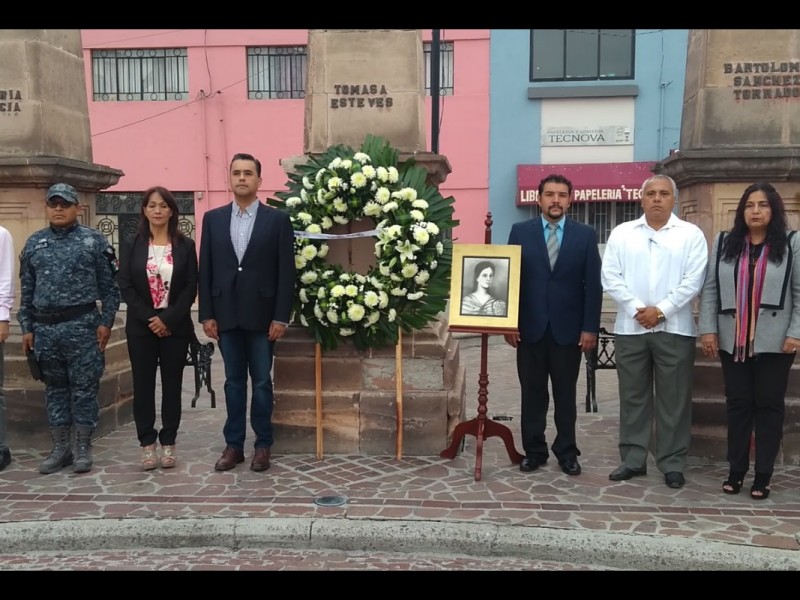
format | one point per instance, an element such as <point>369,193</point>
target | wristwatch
<point>661,316</point>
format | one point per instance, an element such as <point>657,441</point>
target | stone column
<point>368,82</point>
<point>44,125</point>
<point>741,112</point>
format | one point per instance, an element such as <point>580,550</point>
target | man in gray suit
<point>246,288</point>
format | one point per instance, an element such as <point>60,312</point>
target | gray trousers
<point>2,398</point>
<point>655,372</point>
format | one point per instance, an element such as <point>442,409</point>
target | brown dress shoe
<point>229,459</point>
<point>260,460</point>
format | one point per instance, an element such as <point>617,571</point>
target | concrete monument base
<point>359,399</point>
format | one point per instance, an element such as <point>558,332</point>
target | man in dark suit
<point>559,318</point>
<point>247,280</point>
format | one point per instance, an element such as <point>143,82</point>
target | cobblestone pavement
<point>382,488</point>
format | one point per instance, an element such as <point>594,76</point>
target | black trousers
<point>755,392</point>
<point>536,363</point>
<point>147,353</point>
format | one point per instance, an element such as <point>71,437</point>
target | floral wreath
<point>409,285</point>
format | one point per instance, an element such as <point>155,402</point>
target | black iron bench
<point>602,357</point>
<point>199,357</point>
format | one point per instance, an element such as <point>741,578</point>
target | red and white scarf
<point>747,305</point>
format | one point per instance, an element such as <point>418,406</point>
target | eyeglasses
<point>54,203</point>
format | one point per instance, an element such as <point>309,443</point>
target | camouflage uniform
<point>60,269</point>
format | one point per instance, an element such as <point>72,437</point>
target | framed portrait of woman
<point>484,288</point>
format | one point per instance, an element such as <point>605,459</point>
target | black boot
<point>61,454</point>
<point>83,449</point>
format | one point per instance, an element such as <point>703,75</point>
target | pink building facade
<point>183,136</point>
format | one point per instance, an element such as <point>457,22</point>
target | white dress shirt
<point>7,289</point>
<point>663,268</point>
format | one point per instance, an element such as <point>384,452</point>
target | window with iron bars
<point>155,74</point>
<point>276,72</point>
<point>445,68</point>
<point>582,54</point>
<point>603,216</point>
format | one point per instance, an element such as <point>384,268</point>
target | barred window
<point>603,216</point>
<point>276,72</point>
<point>140,74</point>
<point>582,54</point>
<point>445,68</point>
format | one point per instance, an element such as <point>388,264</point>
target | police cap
<point>64,191</point>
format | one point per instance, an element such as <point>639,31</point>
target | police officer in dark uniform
<point>64,270</point>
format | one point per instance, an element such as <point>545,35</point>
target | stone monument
<point>368,82</point>
<point>44,126</point>
<point>741,112</point>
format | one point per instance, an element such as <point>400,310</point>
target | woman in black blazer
<point>158,282</point>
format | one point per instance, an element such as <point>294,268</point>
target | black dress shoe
<point>5,458</point>
<point>529,464</point>
<point>674,479</point>
<point>624,472</point>
<point>570,467</point>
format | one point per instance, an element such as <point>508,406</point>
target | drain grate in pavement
<point>330,500</point>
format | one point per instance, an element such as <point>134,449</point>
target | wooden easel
<point>481,427</point>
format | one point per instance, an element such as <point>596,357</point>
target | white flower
<point>344,277</point>
<point>392,315</point>
<point>439,248</point>
<point>346,331</point>
<point>323,250</point>
<point>362,157</point>
<point>422,277</point>
<point>368,171</point>
<point>299,262</point>
<point>303,320</point>
<point>399,291</point>
<point>341,220</point>
<point>358,180</point>
<point>406,250</point>
<point>421,235</point>
<point>371,299</point>
<point>384,269</point>
<point>432,228</point>
<point>359,278</point>
<point>318,311</point>
<point>319,175</point>
<point>326,223</point>
<point>313,228</point>
<point>409,194</point>
<point>303,295</point>
<point>389,206</point>
<point>309,252</point>
<point>434,264</point>
<point>337,291</point>
<point>393,175</point>
<point>339,205</point>
<point>307,183</point>
<point>351,290</point>
<point>321,293</point>
<point>304,196</point>
<point>332,316</point>
<point>373,317</point>
<point>415,295</point>
<point>384,299</point>
<point>347,164</point>
<point>416,215</point>
<point>382,195</point>
<point>355,312</point>
<point>308,277</point>
<point>395,277</point>
<point>372,209</point>
<point>293,201</point>
<point>409,270</point>
<point>305,217</point>
<point>334,183</point>
<point>383,174</point>
<point>335,163</point>
<point>420,203</point>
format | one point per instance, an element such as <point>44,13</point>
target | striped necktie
<point>552,244</point>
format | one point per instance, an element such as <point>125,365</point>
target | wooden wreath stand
<point>482,427</point>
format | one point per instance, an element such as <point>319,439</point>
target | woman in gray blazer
<point>750,318</point>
